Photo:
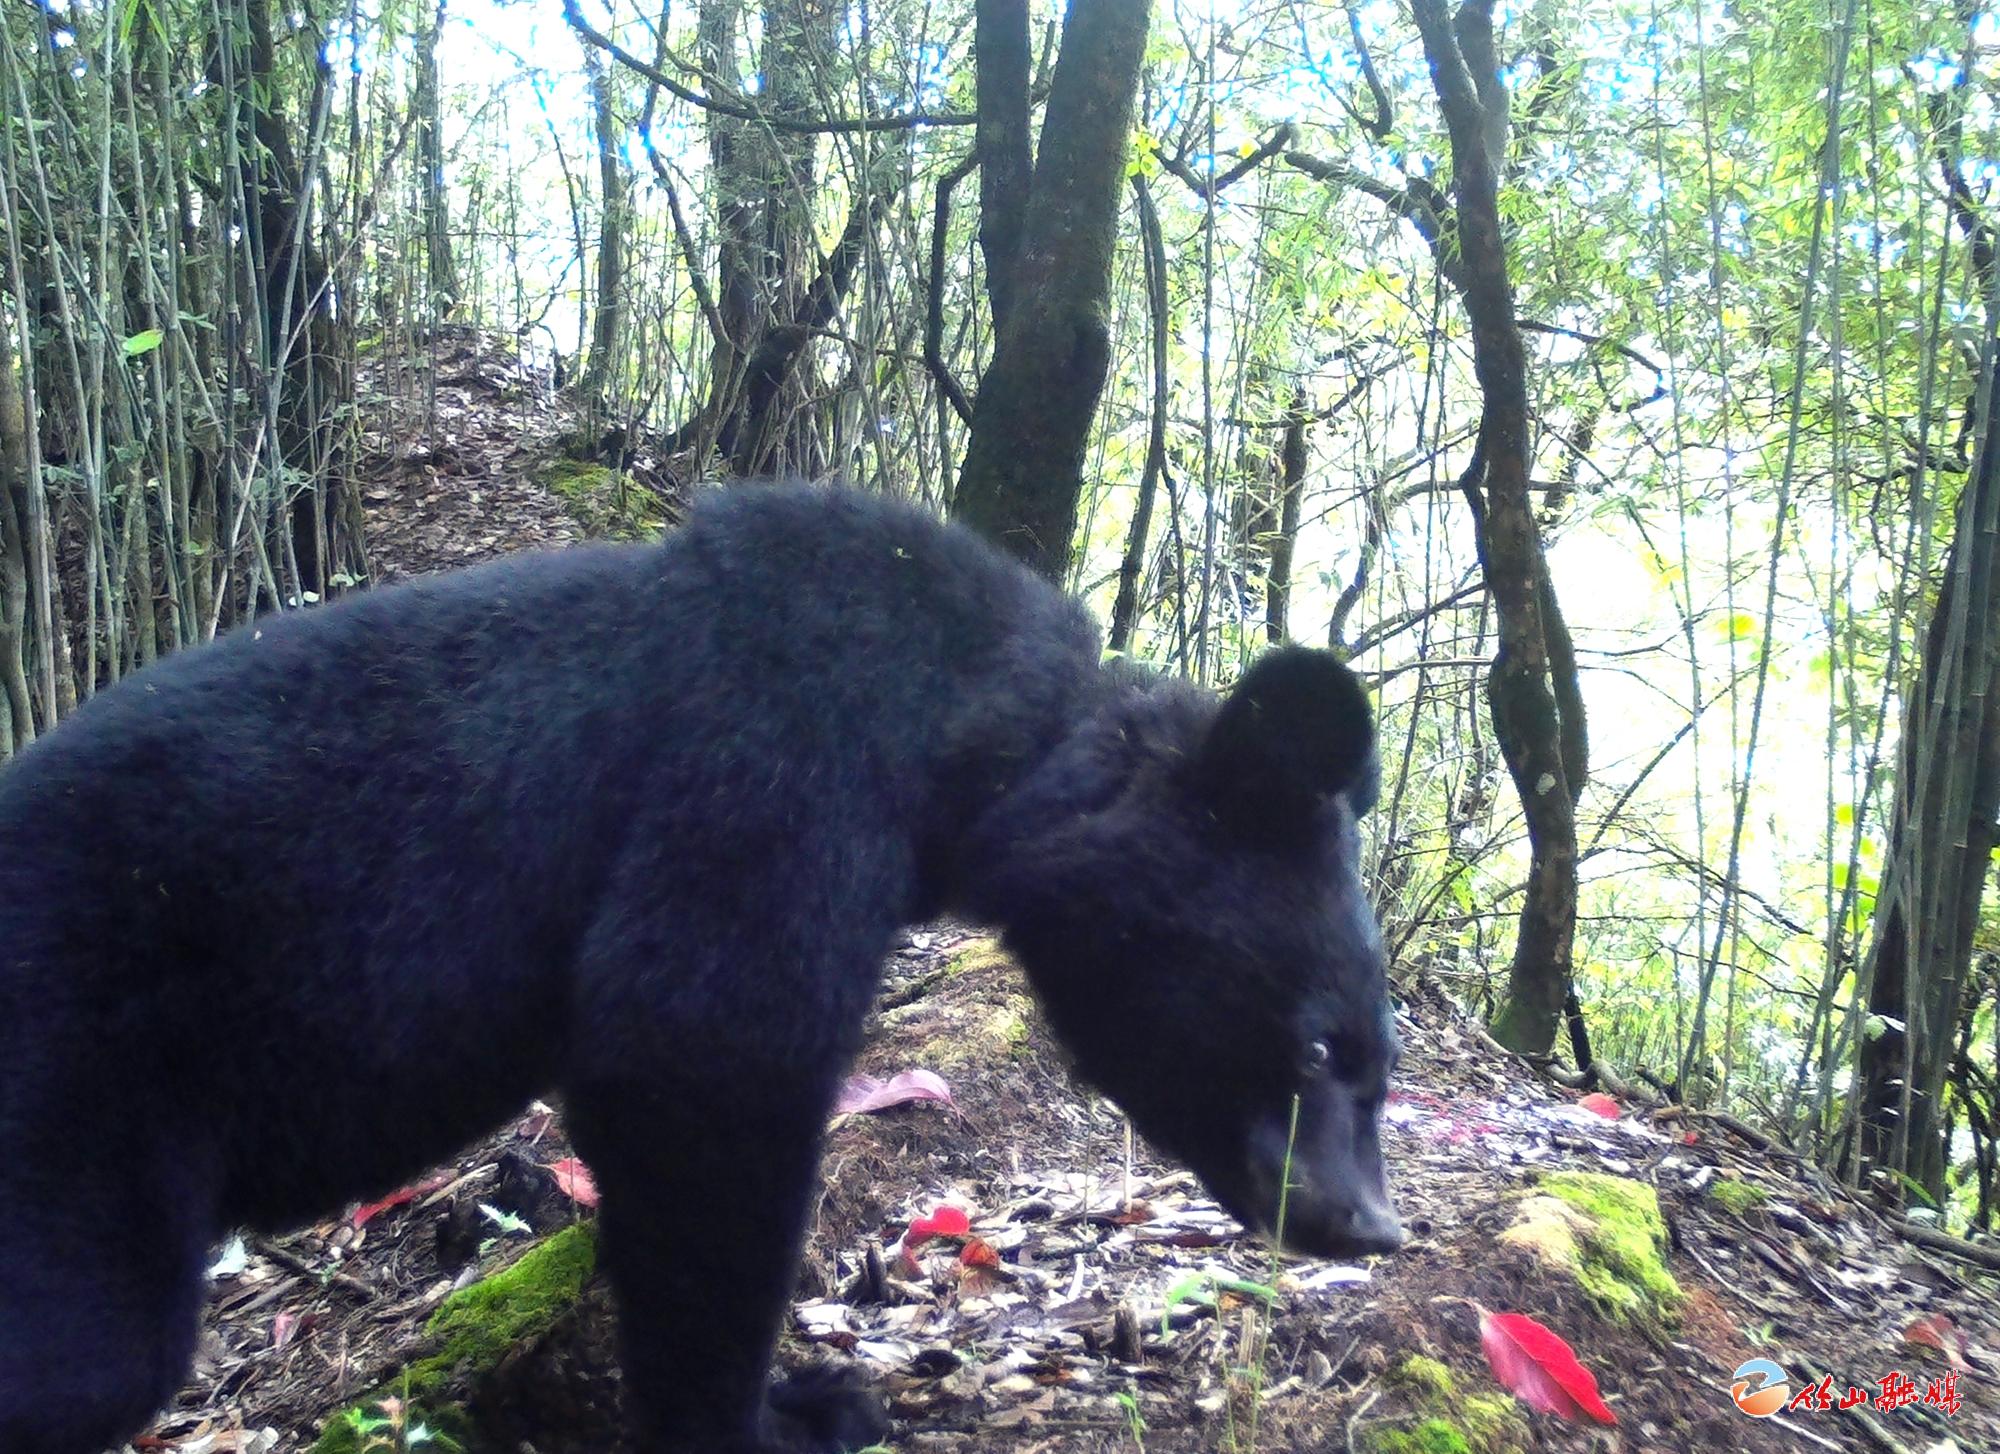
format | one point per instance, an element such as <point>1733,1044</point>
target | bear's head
<point>1180,882</point>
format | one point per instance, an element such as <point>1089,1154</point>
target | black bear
<point>288,917</point>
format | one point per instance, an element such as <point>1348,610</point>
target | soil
<point>1126,1312</point>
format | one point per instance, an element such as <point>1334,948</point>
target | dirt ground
<point>1104,1304</point>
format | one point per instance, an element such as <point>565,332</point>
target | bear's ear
<point>1295,731</point>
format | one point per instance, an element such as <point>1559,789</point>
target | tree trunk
<point>1291,492</point>
<point>735,200</point>
<point>1125,608</point>
<point>441,270</point>
<point>1023,469</point>
<point>1942,826</point>
<point>759,438</point>
<point>17,713</point>
<point>770,294</point>
<point>607,328</point>
<point>1522,687</point>
<point>300,335</point>
<point>1000,49</point>
<point>1942,838</point>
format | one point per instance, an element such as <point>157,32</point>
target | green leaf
<point>144,342</point>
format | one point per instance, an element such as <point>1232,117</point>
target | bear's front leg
<point>704,1190</point>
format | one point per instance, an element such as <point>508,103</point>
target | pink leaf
<point>1537,1367</point>
<point>864,1093</point>
<point>1602,1104</point>
<point>574,1180</point>
<point>286,1326</point>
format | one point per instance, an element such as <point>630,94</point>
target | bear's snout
<point>1319,1185</point>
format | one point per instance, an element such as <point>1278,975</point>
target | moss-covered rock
<point>477,1324</point>
<point>1607,1232</point>
<point>962,1029</point>
<point>1423,1378</point>
<point>1429,1436</point>
<point>1445,1420</point>
<point>604,501</point>
<point>472,1330</point>
<point>1495,1423</point>
<point>1738,1198</point>
<point>978,954</point>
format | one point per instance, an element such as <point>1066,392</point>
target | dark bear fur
<point>289,917</point>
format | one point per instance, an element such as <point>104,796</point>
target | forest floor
<point>1098,1301</point>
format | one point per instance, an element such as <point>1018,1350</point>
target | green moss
<point>1608,1231</point>
<point>603,500</point>
<point>1008,1026</point>
<point>1431,1436</point>
<point>1450,1421</point>
<point>1425,1379</point>
<point>1495,1423</point>
<point>472,1330</point>
<point>1738,1198</point>
<point>477,1324</point>
<point>979,954</point>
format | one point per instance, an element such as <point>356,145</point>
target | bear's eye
<point>1317,1058</point>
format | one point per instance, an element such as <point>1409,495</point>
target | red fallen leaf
<point>362,1215</point>
<point>1940,1332</point>
<point>574,1180</point>
<point>977,1252</point>
<point>945,1221</point>
<point>1602,1104</point>
<point>864,1093</point>
<point>1537,1367</point>
<point>1689,1138</point>
<point>979,1265</point>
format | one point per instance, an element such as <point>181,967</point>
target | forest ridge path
<point>452,442</point>
<point>1123,1314</point>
